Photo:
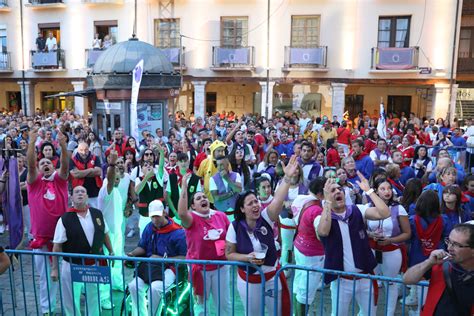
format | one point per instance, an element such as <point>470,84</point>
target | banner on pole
<point>381,125</point>
<point>137,79</point>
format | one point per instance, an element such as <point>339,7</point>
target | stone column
<point>78,101</point>
<point>441,104</point>
<point>269,113</point>
<point>27,97</point>
<point>338,100</point>
<point>199,98</point>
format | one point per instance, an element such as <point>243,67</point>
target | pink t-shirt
<point>206,236</point>
<point>306,241</point>
<point>48,202</point>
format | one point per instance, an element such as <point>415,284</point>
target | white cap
<point>155,208</point>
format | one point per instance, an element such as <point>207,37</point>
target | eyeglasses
<point>148,154</point>
<point>454,244</point>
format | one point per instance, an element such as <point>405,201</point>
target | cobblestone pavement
<point>27,294</point>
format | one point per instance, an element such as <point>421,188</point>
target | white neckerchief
<point>50,178</point>
<point>211,212</point>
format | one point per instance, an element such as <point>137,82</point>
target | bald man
<point>86,171</point>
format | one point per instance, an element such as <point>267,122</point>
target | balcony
<point>394,59</point>
<point>233,59</point>
<point>174,55</point>
<point>103,1</point>
<point>91,57</point>
<point>4,6</point>
<point>305,59</point>
<point>465,64</point>
<point>5,62</point>
<point>48,61</point>
<point>468,7</point>
<point>45,4</point>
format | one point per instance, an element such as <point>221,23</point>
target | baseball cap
<point>155,208</point>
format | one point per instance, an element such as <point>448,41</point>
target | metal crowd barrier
<point>340,274</point>
<point>99,276</point>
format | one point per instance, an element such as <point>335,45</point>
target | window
<point>305,31</point>
<point>465,43</point>
<point>167,33</point>
<point>394,31</point>
<point>3,39</point>
<point>109,28</point>
<point>234,31</point>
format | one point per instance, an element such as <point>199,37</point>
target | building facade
<point>325,57</point>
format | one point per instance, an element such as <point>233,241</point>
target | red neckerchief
<point>360,156</point>
<point>75,210</point>
<point>170,227</point>
<point>430,237</point>
<point>396,184</point>
<point>469,193</point>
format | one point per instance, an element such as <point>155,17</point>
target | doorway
<point>399,104</point>
<point>14,101</point>
<point>55,104</point>
<point>211,103</point>
<point>354,104</point>
<point>45,28</point>
<point>104,28</point>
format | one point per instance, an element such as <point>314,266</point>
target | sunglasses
<point>148,154</point>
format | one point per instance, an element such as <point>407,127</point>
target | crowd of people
<point>317,192</point>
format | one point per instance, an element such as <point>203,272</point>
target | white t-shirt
<point>51,43</point>
<point>348,257</point>
<point>111,207</point>
<point>232,238</point>
<point>213,185</point>
<point>385,226</point>
<point>87,225</point>
<point>374,157</point>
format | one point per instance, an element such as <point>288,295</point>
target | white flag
<point>381,126</point>
<point>137,79</point>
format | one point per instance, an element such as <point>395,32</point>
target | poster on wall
<point>149,117</point>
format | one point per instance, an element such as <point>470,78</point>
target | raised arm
<point>31,157</point>
<point>64,159</point>
<point>380,210</point>
<point>111,171</point>
<point>183,213</point>
<point>324,226</point>
<point>275,207</point>
<point>228,139</point>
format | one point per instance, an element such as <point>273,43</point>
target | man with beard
<point>363,162</point>
<point>451,275</point>
<point>86,171</point>
<point>311,168</point>
<point>406,173</point>
<point>81,230</point>
<point>225,187</point>
<point>47,191</point>
<point>118,143</point>
<point>342,232</point>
